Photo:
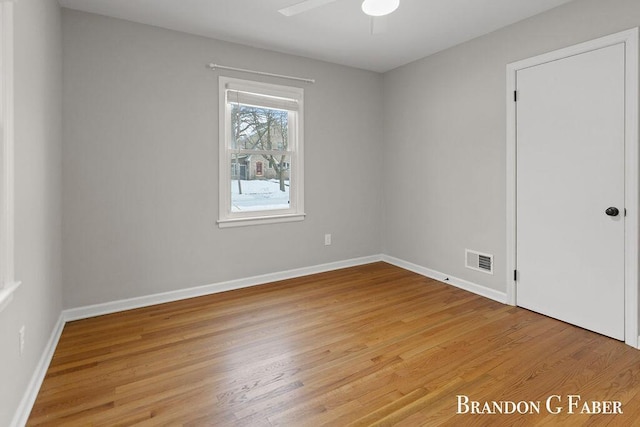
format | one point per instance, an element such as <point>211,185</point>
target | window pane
<point>259,128</point>
<point>259,182</point>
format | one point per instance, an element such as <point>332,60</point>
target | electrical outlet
<point>21,339</point>
<point>327,239</point>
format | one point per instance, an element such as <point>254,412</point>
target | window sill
<point>242,222</point>
<point>6,294</point>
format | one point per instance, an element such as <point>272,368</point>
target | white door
<point>569,172</point>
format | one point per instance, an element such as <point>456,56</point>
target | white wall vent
<point>479,261</point>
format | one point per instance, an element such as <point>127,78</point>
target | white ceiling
<point>338,32</point>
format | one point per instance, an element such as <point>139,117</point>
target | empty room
<point>319,212</point>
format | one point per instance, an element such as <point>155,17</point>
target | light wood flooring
<point>369,345</point>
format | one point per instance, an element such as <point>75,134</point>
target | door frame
<point>631,198</point>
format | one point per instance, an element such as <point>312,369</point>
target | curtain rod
<point>213,66</point>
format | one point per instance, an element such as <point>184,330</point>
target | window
<point>7,282</point>
<point>261,156</point>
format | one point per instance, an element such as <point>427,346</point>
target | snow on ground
<point>259,195</point>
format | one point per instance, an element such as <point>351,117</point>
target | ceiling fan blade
<point>303,7</point>
<point>379,24</point>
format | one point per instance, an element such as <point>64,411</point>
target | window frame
<point>295,149</point>
<point>8,284</point>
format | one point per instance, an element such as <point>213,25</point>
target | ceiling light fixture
<point>379,7</point>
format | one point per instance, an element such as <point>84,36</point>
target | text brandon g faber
<point>554,404</point>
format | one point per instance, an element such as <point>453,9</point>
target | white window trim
<point>236,219</point>
<point>8,284</point>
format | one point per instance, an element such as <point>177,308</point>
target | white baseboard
<point>26,404</point>
<point>149,300</point>
<point>445,278</point>
<point>145,301</point>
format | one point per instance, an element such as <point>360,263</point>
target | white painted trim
<point>7,280</point>
<point>165,297</point>
<point>145,301</point>
<point>239,222</point>
<point>6,294</point>
<point>29,398</point>
<point>632,202</point>
<point>450,280</point>
<point>632,183</point>
<point>511,186</point>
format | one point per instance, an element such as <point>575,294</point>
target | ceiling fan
<point>376,9</point>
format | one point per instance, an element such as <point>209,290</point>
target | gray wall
<point>38,302</point>
<point>140,175</point>
<point>445,129</point>
<point>140,163</point>
<point>411,163</point>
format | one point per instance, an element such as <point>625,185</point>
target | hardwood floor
<point>370,345</point>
